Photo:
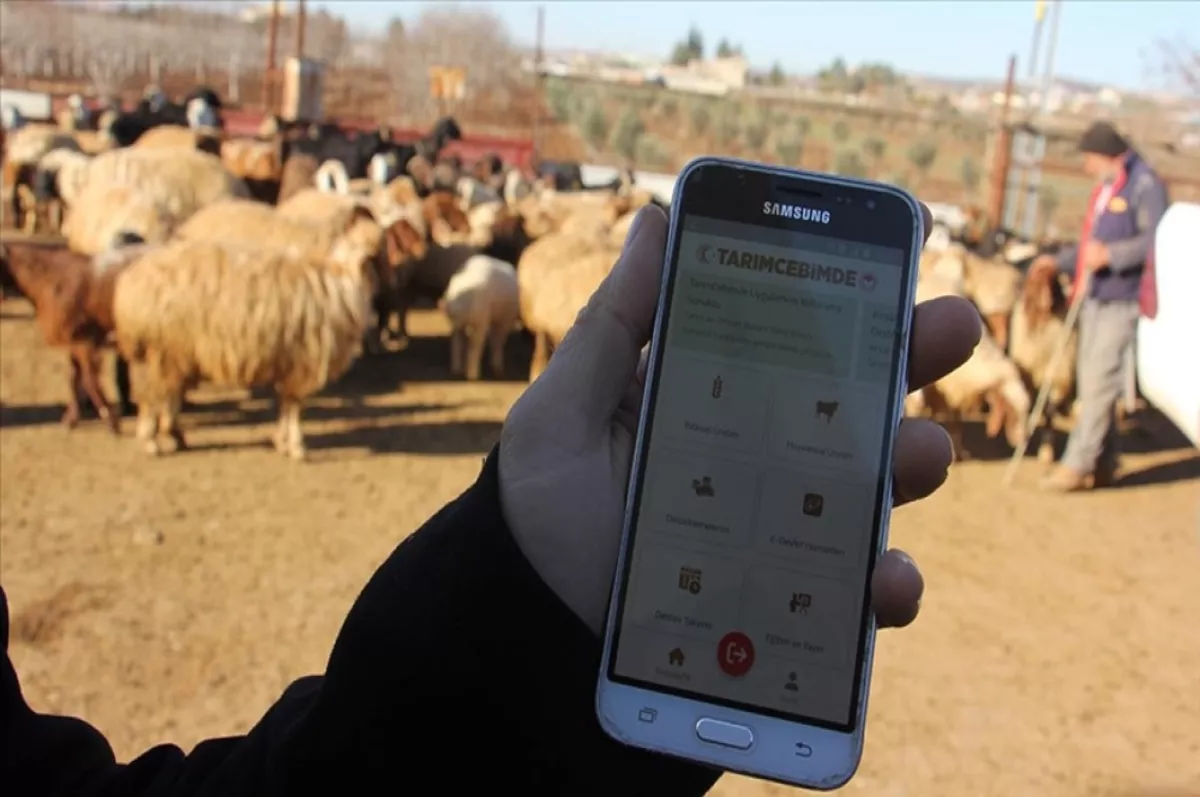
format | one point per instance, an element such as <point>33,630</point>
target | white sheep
<point>482,303</point>
<point>104,212</point>
<point>987,375</point>
<point>243,316</point>
<point>332,177</point>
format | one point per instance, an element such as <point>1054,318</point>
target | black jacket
<point>456,671</point>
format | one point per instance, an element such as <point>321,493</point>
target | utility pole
<point>268,93</point>
<point>1002,154</point>
<point>301,18</point>
<point>1029,224</point>
<point>539,81</point>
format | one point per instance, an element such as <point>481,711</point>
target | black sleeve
<point>456,670</point>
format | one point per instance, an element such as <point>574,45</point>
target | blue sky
<point>1099,40</point>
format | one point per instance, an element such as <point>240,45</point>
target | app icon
<point>800,602</point>
<point>704,487</point>
<point>813,504</point>
<point>704,253</point>
<point>791,683</point>
<point>717,385</point>
<point>735,654</point>
<point>689,579</point>
<point>868,282</point>
<point>826,410</point>
<point>675,658</point>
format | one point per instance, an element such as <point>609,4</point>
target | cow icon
<point>826,410</point>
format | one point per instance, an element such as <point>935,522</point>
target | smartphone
<point>739,632</point>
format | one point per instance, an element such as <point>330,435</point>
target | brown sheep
<point>72,297</point>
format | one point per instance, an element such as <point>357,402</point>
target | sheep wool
<point>104,211</point>
<point>245,316</point>
<point>182,180</point>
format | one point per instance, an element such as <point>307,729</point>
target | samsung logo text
<point>796,212</point>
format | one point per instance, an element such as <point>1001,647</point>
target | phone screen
<point>761,487</point>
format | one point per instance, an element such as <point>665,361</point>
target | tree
<point>789,151</point>
<point>874,149</point>
<point>726,128</point>
<point>777,77</point>
<point>840,130</point>
<point>849,164</point>
<point>727,50</point>
<point>970,174</point>
<point>667,106</point>
<point>700,118</point>
<point>690,49</point>
<point>625,134</point>
<point>652,153</point>
<point>595,125</point>
<point>802,125</point>
<point>1179,63</point>
<point>921,155</point>
<point>755,134</point>
<point>558,97</point>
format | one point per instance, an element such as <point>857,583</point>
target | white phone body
<point>663,684</point>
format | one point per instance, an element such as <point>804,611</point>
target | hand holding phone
<point>567,441</point>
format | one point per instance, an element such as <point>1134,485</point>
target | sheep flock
<point>276,261</point>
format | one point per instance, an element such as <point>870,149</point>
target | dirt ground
<point>174,599</point>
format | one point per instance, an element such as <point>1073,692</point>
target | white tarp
<point>1168,365</point>
<point>31,104</point>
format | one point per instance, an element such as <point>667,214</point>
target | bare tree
<point>468,37</point>
<point>1179,62</point>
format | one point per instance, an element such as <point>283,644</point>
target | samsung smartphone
<point>740,633</point>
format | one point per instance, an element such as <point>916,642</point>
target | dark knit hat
<point>1103,139</point>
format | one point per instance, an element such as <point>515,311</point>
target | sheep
<point>1038,323</point>
<point>247,223</point>
<point>106,211</point>
<point>179,137</point>
<point>183,181</point>
<point>993,286</point>
<point>481,303</point>
<point>72,297</point>
<point>247,317</point>
<point>332,177</point>
<point>257,163</point>
<point>472,193</point>
<point>988,374</point>
<point>298,174</point>
<point>557,273</point>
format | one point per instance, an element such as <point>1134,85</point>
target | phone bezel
<point>832,754</point>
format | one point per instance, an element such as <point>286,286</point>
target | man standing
<point>1118,233</point>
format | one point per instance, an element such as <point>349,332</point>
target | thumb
<point>593,366</point>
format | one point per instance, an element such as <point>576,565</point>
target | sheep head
<point>354,250</point>
<point>443,215</point>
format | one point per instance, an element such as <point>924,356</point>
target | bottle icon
<point>716,387</point>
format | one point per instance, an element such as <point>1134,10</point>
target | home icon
<point>675,657</point>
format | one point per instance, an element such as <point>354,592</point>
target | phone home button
<point>725,734</point>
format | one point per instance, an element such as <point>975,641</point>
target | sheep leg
<point>70,418</point>
<point>147,427</point>
<point>170,420</point>
<point>457,336</point>
<point>497,337</point>
<point>541,354</point>
<point>91,385</point>
<point>296,449</point>
<point>477,338</point>
<point>124,387</point>
<point>1045,430</point>
<point>280,438</point>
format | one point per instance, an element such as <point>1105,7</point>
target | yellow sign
<point>1117,205</point>
<point>447,82</point>
<point>1039,10</point>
